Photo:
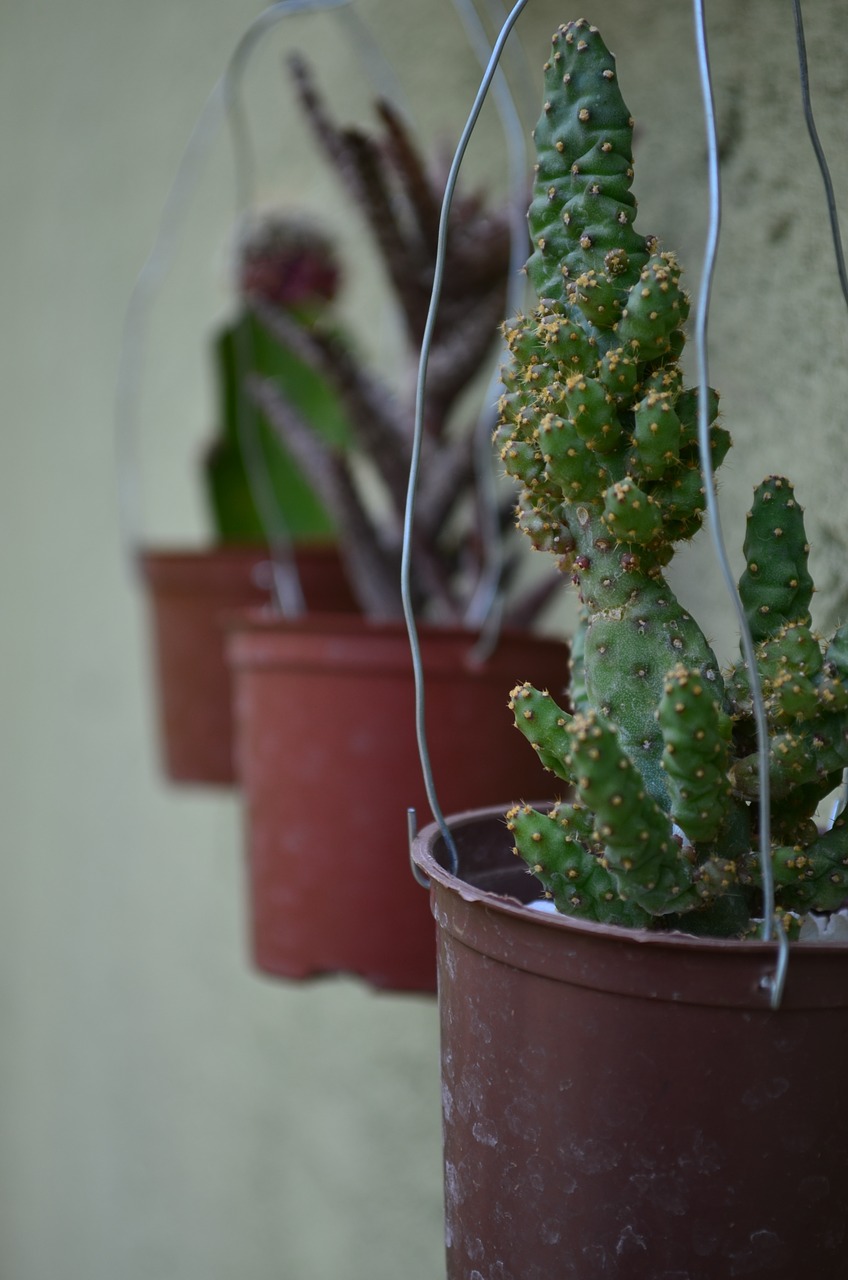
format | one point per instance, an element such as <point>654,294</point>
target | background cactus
<point>601,435</point>
<point>292,267</point>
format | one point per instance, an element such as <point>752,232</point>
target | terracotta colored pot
<point>329,766</point>
<point>625,1104</point>
<point>190,595</point>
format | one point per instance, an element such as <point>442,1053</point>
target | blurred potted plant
<point>325,705</point>
<point>259,502</point>
<point>622,1093</point>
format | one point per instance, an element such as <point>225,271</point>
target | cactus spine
<point>601,436</point>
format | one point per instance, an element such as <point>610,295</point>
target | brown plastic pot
<point>626,1104</point>
<point>329,766</point>
<point>190,595</point>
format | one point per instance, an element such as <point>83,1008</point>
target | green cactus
<point>597,429</point>
<point>294,267</point>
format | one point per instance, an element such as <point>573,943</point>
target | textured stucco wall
<point>162,1111</point>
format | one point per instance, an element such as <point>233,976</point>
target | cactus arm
<point>775,586</point>
<point>639,848</point>
<point>630,645</point>
<point>695,755</point>
<point>814,877</point>
<point>544,725</point>
<point>582,209</point>
<point>792,818</point>
<point>797,758</point>
<point>656,435</point>
<point>553,846</point>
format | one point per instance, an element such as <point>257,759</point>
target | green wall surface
<point>164,1112</point>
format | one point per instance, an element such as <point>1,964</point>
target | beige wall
<point>163,1112</point>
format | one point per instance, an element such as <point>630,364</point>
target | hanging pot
<point>329,765</point>
<point>190,595</point>
<point>626,1104</point>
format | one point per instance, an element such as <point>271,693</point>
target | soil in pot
<point>626,1104</point>
<point>329,765</point>
<point>190,594</point>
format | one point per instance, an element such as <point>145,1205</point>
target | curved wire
<point>819,149</point>
<point>159,258</point>
<point>415,459</point>
<point>835,231</point>
<point>700,334</point>
<point>521,70</point>
<point>286,586</point>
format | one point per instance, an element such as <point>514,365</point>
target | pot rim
<point>260,638</point>
<point>422,853</point>
<point>637,962</point>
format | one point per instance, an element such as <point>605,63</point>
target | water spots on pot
<point>485,1131</point>
<point>469,1095</point>
<point>540,1170</point>
<point>593,1155</point>
<point>509,1180</point>
<point>665,1191</point>
<point>455,1184</point>
<point>630,1242</point>
<point>522,1119</point>
<point>475,1250</point>
<point>814,1189</point>
<point>766,1251</point>
<point>448,954</point>
<point>478,1024</point>
<point>797,1141</point>
<point>596,1258</point>
<point>447,1101</point>
<point>534,1060</point>
<point>706,1240</point>
<point>704,1155</point>
<point>764,1092</point>
<point>551,1231</point>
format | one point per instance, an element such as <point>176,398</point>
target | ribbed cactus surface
<point>658,824</point>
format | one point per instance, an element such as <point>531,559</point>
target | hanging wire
<point>378,69</point>
<point>819,149</point>
<point>415,459</point>
<point>222,103</point>
<point>519,68</point>
<point>484,609</point>
<point>771,927</point>
<point>286,586</point>
<point>842,797</point>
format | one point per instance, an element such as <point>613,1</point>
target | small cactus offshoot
<point>659,827</point>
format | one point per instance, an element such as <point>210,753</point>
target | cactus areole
<point>596,426</point>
